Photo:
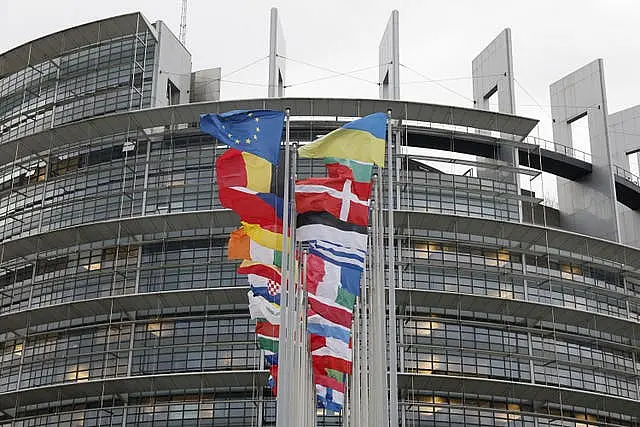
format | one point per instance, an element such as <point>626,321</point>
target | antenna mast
<point>183,23</point>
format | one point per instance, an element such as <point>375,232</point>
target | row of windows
<point>178,411</point>
<point>202,263</point>
<point>112,76</point>
<point>431,347</point>
<point>179,184</point>
<point>436,332</point>
<point>439,410</point>
<point>501,285</point>
<point>156,347</point>
<point>86,274</point>
<point>511,368</point>
<point>172,194</point>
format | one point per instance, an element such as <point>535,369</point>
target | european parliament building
<point>118,306</point>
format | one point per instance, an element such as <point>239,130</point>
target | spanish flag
<point>362,140</point>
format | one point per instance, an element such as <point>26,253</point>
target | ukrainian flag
<point>362,140</point>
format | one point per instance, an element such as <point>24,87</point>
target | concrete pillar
<point>173,67</point>
<point>492,74</point>
<point>492,71</point>
<point>587,206</point>
<point>277,52</point>
<point>624,137</point>
<point>205,85</point>
<point>389,59</point>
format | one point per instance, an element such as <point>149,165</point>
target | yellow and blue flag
<point>362,140</point>
<point>258,132</point>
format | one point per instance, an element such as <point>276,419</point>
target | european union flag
<point>256,131</point>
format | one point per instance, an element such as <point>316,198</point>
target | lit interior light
<point>506,294</point>
<point>568,271</point>
<point>504,417</point>
<point>157,329</point>
<point>175,183</point>
<point>79,373</point>
<point>423,250</point>
<point>17,349</point>
<point>424,328</point>
<point>436,401</point>
<point>585,417</point>
<point>427,366</point>
<point>78,420</point>
<point>504,257</point>
<point>503,293</point>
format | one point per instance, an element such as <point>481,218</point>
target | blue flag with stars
<point>256,131</point>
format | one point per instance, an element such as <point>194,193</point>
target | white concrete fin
<point>389,59</point>
<point>589,205</point>
<point>277,54</point>
<point>492,72</point>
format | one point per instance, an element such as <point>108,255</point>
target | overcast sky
<point>437,39</point>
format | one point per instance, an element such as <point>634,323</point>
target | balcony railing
<point>558,148</point>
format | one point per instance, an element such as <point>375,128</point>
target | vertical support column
<point>623,128</point>
<point>492,74</point>
<point>277,51</point>
<point>588,206</point>
<point>492,71</point>
<point>389,59</point>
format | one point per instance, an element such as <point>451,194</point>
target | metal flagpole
<point>372,261</point>
<point>305,372</point>
<point>378,351</point>
<point>393,346</point>
<point>355,395</point>
<point>347,407</point>
<point>293,321</point>
<point>381,351</point>
<point>283,399</point>
<point>364,349</point>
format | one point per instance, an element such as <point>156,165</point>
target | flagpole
<point>393,346</point>
<point>305,375</point>
<point>364,350</point>
<point>379,379</point>
<point>375,372</point>
<point>283,399</point>
<point>355,395</point>
<point>293,338</point>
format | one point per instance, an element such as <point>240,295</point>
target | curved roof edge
<point>190,113</point>
<point>17,320</point>
<point>52,45</point>
<point>242,378</point>
<point>519,390</point>
<point>106,230</point>
<point>525,237</point>
<point>534,312</point>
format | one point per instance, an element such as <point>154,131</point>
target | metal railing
<point>558,148</point>
<point>623,173</point>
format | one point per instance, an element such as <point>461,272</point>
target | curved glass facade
<point>118,306</point>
